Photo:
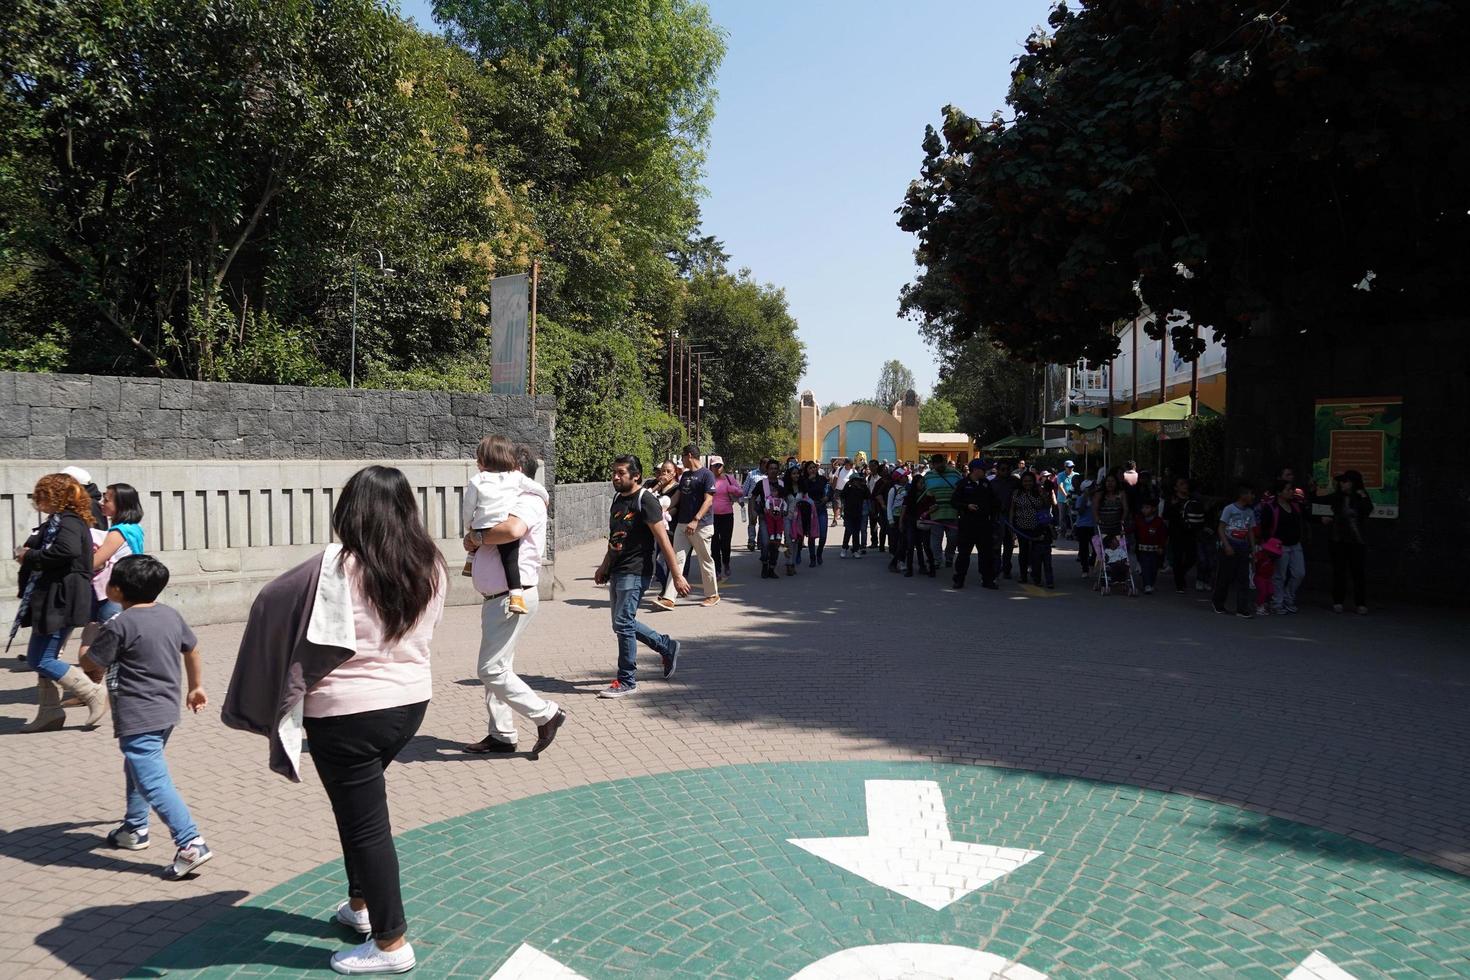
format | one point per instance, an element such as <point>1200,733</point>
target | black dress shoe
<point>546,734</point>
<point>490,744</point>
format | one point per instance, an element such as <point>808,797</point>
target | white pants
<point>700,542</point>
<point>506,695</point>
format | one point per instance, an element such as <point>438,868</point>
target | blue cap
<point>976,464</point>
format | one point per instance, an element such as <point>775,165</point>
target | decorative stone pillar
<point>808,416</point>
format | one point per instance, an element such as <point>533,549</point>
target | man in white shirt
<point>842,471</point>
<point>506,695</point>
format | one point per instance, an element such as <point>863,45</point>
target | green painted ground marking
<point>691,874</point>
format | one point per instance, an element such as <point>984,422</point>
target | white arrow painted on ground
<point>908,848</point>
<point>529,963</point>
<point>1319,967</point>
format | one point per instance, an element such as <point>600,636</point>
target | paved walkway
<point>1354,726</point>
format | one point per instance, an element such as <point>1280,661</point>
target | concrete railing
<point>226,528</point>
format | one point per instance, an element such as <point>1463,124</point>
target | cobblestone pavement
<point>1355,726</point>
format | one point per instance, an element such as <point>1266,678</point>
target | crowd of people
<point>1006,516</point>
<point>336,652</point>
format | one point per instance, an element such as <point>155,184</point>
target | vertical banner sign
<point>1360,434</point>
<point>509,309</point>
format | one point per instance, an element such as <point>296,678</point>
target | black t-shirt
<point>694,486</point>
<point>1288,526</point>
<point>630,537</point>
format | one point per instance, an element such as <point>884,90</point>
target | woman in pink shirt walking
<point>727,491</point>
<point>362,714</point>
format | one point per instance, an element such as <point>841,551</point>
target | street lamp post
<point>352,363</point>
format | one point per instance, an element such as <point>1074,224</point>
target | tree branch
<point>271,189</point>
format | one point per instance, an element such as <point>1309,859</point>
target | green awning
<point>1018,442</point>
<point>1090,423</point>
<point>1175,410</point>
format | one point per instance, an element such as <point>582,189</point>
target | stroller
<point>1114,565</point>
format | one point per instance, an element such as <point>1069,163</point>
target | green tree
<point>938,414</point>
<point>894,381</point>
<point>1226,160</point>
<point>751,387</point>
<point>987,388</point>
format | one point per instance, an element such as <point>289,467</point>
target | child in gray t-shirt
<point>141,649</point>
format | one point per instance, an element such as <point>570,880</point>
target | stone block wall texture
<point>581,513</point>
<point>68,417</point>
<point>238,481</point>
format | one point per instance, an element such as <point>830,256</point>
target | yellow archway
<point>860,428</point>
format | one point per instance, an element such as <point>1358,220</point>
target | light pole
<point>385,270</point>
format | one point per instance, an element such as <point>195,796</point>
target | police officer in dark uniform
<point>975,501</point>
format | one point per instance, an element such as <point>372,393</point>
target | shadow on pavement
<point>1351,724</point>
<point>257,937</point>
<point>59,844</point>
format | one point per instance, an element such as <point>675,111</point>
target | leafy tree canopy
<point>938,414</point>
<point>894,381</point>
<point>1223,159</point>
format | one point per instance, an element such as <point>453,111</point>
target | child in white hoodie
<point>488,499</point>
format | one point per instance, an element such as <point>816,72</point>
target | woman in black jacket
<point>1351,507</point>
<point>56,597</point>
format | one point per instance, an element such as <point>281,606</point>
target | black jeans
<point>1007,549</point>
<point>979,537</point>
<point>1348,558</point>
<point>1035,557</point>
<point>1234,570</point>
<point>724,530</point>
<point>1183,550</point>
<point>919,551</point>
<point>1084,547</point>
<point>350,753</point>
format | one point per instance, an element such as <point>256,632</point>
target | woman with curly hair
<point>56,597</point>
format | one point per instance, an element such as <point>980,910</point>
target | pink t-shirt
<point>382,674</point>
<point>489,574</point>
<point>727,491</point>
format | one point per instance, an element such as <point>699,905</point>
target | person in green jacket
<point>939,487</point>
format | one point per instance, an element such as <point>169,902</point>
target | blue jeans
<point>627,592</point>
<point>42,651</point>
<point>150,785</point>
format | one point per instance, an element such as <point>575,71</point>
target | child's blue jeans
<point>150,785</point>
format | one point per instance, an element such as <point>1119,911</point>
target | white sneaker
<point>354,920</point>
<point>1262,611</point>
<point>1148,590</point>
<point>1337,607</point>
<point>1362,610</point>
<point>368,958</point>
<point>844,553</point>
<point>1199,586</point>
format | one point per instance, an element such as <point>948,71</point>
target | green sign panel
<point>1360,434</point>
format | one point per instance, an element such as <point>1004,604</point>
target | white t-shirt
<point>489,497</point>
<point>489,574</point>
<point>839,480</point>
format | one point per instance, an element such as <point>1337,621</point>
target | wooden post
<point>1194,377</point>
<point>671,375</point>
<point>1134,334</point>
<point>698,395</point>
<point>535,281</point>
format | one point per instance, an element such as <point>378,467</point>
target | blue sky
<point>822,106</point>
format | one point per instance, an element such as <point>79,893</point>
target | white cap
<point>717,461</point>
<point>78,474</point>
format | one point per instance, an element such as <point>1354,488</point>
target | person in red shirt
<point>1151,537</point>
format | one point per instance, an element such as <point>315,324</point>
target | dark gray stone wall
<point>581,513</point>
<point>66,416</point>
<point>1275,378</point>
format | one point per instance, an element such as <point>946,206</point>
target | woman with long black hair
<point>359,674</point>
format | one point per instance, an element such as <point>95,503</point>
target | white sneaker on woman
<point>368,958</point>
<point>354,920</point>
